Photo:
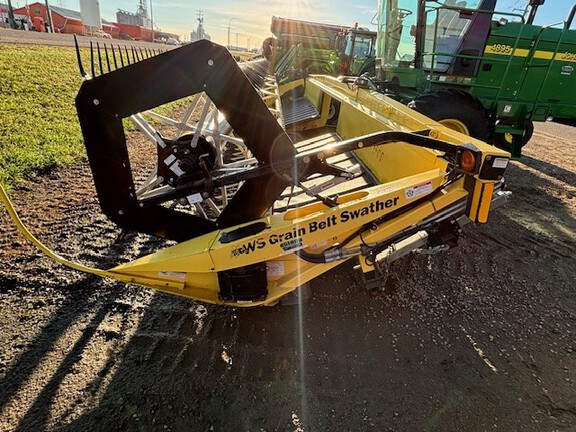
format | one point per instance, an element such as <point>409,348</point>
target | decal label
<point>168,161</point>
<point>500,163</point>
<point>498,49</point>
<point>456,79</point>
<point>275,268</point>
<point>248,248</point>
<point>290,235</point>
<point>503,49</point>
<point>293,239</point>
<point>172,275</point>
<point>291,245</point>
<point>195,198</point>
<point>374,207</point>
<point>416,191</point>
<point>175,168</point>
<point>319,245</point>
<point>566,56</point>
<point>320,225</point>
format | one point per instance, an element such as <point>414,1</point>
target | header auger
<point>259,192</point>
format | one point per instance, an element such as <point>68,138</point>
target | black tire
<point>452,104</point>
<point>501,141</point>
<point>333,113</point>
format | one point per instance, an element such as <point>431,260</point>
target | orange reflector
<point>468,161</point>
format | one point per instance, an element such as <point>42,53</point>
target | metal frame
<point>104,101</point>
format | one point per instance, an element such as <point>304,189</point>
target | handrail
<point>453,55</point>
<point>570,17</point>
<point>553,59</point>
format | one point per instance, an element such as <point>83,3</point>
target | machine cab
<point>359,52</point>
<point>442,37</point>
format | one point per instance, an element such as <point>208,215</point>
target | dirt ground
<point>479,338</point>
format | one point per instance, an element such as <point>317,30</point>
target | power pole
<point>200,28</point>
<point>49,17</point>
<point>229,21</point>
<point>12,22</point>
<point>151,21</point>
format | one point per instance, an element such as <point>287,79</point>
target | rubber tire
<point>500,140</point>
<point>455,104</point>
<point>333,113</point>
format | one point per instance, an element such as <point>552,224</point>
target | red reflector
<point>468,161</point>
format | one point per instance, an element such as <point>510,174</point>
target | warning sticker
<point>500,163</point>
<point>194,198</point>
<point>172,275</point>
<point>176,169</point>
<point>168,161</point>
<point>275,268</point>
<point>319,245</point>
<point>421,189</point>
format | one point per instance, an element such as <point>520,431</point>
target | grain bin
<point>91,18</point>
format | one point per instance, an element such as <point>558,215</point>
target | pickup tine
<point>92,59</point>
<point>114,57</point>
<point>127,54</point>
<point>107,57</point>
<point>121,57</point>
<point>99,58</point>
<point>83,73</point>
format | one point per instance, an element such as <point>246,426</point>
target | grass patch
<point>38,126</point>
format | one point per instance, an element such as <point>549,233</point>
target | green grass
<point>39,129</point>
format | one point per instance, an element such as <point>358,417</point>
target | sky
<point>249,21</point>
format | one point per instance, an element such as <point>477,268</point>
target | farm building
<point>64,20</point>
<point>3,15</point>
<point>129,26</point>
<point>139,27</point>
<point>136,32</point>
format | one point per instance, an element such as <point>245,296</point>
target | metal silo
<point>91,18</point>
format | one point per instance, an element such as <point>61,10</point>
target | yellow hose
<point>76,266</point>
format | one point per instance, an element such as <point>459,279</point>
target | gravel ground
<point>479,338</point>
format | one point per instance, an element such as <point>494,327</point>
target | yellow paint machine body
<point>272,186</point>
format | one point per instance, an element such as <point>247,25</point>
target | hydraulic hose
<point>75,266</point>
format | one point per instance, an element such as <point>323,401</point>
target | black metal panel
<point>244,284</point>
<point>108,157</point>
<point>104,101</point>
<point>245,231</point>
